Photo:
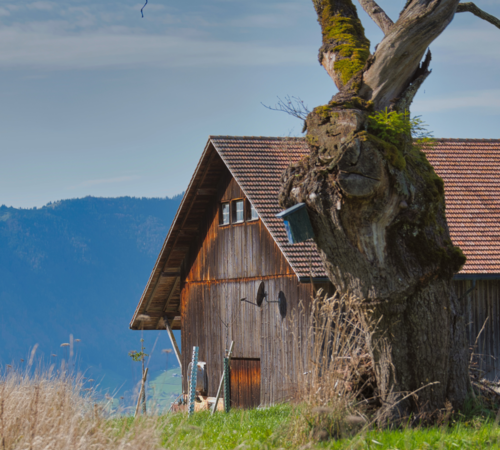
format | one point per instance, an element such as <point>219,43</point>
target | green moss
<point>349,67</point>
<point>312,140</point>
<point>357,103</point>
<point>348,36</point>
<point>323,111</point>
<point>434,184</point>
<point>392,153</point>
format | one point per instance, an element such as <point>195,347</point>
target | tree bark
<point>378,209</point>
<point>377,14</point>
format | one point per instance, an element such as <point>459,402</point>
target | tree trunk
<point>378,209</point>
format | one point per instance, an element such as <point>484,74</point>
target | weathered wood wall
<point>483,303</point>
<point>245,383</point>
<point>227,264</point>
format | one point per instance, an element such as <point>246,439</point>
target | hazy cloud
<point>488,100</point>
<point>37,47</point>
<point>467,45</point>
<point>113,180</point>
<point>42,6</point>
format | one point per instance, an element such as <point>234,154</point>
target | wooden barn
<point>226,248</point>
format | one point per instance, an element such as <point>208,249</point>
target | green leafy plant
<point>137,356</point>
<point>391,126</point>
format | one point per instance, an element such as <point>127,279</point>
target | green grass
<point>268,429</point>
<point>458,436</point>
<point>251,429</point>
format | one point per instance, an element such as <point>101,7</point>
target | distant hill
<point>79,267</point>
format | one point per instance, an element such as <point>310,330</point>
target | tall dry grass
<point>52,411</point>
<point>336,382</point>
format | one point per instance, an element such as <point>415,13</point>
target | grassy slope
<point>165,388</point>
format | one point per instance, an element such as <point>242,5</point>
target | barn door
<point>245,383</point>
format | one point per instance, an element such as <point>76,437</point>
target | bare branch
<point>291,105</point>
<point>377,14</point>
<point>472,8</point>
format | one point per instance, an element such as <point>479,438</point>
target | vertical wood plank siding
<point>245,383</point>
<point>481,304</point>
<point>226,264</point>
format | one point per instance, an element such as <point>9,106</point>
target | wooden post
<point>214,408</point>
<point>143,387</point>
<point>173,341</point>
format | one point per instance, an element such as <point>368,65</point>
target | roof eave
<point>157,267</point>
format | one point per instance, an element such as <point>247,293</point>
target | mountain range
<point>78,267</point>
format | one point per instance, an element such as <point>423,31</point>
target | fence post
<point>214,408</point>
<point>227,386</point>
<point>193,378</point>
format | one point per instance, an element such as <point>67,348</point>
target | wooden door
<point>245,383</point>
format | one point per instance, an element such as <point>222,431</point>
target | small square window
<point>238,214</point>
<point>253,213</point>
<point>224,214</point>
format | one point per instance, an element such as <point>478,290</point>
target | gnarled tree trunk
<point>378,209</point>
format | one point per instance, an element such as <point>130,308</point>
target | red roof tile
<point>469,169</point>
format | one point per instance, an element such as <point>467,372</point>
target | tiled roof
<point>257,164</point>
<point>469,168</point>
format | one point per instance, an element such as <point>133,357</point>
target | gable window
<point>238,214</point>
<point>224,214</point>
<point>251,212</point>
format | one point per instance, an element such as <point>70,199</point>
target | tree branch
<point>345,48</point>
<point>472,8</point>
<point>377,14</point>
<point>291,105</point>
<point>398,56</point>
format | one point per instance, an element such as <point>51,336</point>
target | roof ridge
<point>467,140</point>
<point>301,138</point>
<point>276,138</point>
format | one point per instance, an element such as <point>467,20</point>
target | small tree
<point>141,356</point>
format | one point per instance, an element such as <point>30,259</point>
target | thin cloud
<point>90,183</point>
<point>42,6</point>
<point>467,45</point>
<point>41,49</point>
<point>487,100</point>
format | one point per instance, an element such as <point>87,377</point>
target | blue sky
<point>95,100</point>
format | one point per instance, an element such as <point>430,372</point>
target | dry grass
<point>52,411</point>
<point>338,373</point>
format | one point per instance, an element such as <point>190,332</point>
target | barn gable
<point>469,168</point>
<point>243,160</point>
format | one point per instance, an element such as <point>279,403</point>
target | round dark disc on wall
<point>282,303</point>
<point>260,294</point>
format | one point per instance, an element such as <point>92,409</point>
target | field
<point>54,411</point>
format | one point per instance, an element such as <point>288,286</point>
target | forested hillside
<point>79,267</point>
